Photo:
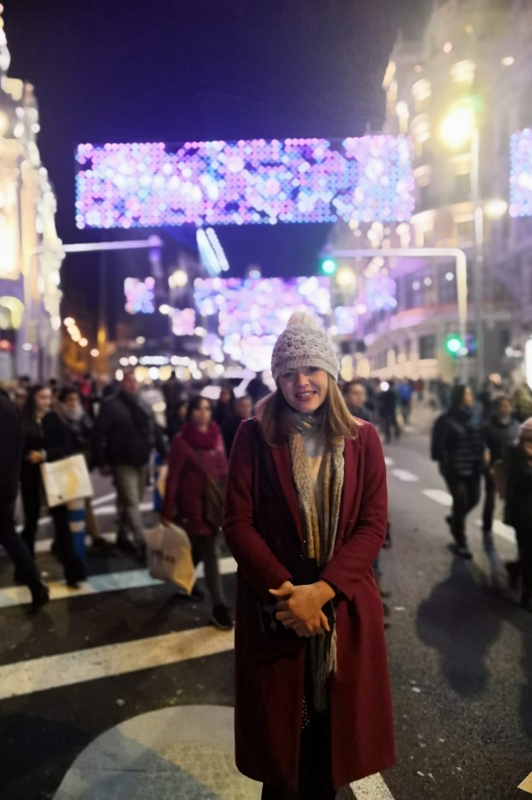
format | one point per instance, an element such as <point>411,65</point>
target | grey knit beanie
<point>303,344</point>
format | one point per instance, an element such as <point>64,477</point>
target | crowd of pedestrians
<point>275,472</point>
<point>488,439</point>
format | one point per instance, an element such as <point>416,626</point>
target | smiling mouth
<point>304,396</point>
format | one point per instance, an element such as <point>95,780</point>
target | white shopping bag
<point>170,556</point>
<point>66,480</point>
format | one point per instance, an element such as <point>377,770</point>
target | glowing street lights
<point>457,127</point>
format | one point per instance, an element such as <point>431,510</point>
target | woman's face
<point>43,401</point>
<point>225,396</point>
<point>182,411</point>
<point>201,416</point>
<point>468,398</point>
<point>72,401</point>
<point>305,389</point>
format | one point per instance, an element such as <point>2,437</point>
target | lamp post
<point>458,128</point>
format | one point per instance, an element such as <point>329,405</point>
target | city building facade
<point>30,250</point>
<point>460,92</point>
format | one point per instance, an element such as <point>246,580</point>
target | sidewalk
<point>181,752</point>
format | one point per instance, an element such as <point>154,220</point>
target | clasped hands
<point>300,607</point>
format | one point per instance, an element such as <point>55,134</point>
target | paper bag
<point>66,480</point>
<point>170,556</point>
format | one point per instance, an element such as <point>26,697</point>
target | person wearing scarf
<point>197,455</point>
<point>305,517</point>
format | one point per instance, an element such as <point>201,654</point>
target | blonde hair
<point>277,426</point>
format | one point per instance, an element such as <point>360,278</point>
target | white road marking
<point>40,674</point>
<point>388,461</point>
<point>502,530</point>
<point>372,788</point>
<point>97,501</point>
<point>405,475</point>
<point>439,496</point>
<point>98,584</point>
<point>102,511</point>
<point>107,582</point>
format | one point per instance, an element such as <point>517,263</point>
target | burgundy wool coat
<point>263,531</point>
<point>185,483</point>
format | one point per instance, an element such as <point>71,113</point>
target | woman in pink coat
<point>305,517</point>
<point>198,455</point>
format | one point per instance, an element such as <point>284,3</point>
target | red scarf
<point>200,440</point>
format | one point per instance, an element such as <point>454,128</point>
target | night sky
<point>165,70</point>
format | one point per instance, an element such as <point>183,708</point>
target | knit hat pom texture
<point>304,344</point>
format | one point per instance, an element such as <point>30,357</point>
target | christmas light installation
<point>140,295</point>
<point>250,314</point>
<point>521,173</point>
<point>246,182</point>
<point>183,321</point>
<point>345,320</point>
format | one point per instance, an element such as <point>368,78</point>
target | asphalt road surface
<point>130,682</point>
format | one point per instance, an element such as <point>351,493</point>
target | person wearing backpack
<point>458,447</point>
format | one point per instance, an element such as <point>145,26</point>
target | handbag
<point>213,503</point>
<point>65,480</point>
<point>170,556</point>
<point>213,499</point>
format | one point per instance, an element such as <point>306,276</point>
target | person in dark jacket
<point>46,438</point>
<point>457,444</point>
<point>355,397</point>
<point>177,420</point>
<point>230,427</point>
<point>12,438</point>
<point>500,433</point>
<point>257,389</point>
<point>81,426</point>
<point>173,396</point>
<point>518,512</point>
<point>388,400</point>
<point>225,407</point>
<point>125,434</point>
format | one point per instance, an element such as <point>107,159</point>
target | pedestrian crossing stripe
<point>98,584</point>
<point>66,669</point>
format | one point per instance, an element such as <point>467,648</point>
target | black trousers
<point>31,501</point>
<point>390,423</point>
<point>315,766</point>
<point>524,545</point>
<point>466,494</point>
<point>16,548</point>
<point>489,502</point>
<point>315,774</point>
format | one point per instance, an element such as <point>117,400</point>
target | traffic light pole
<point>429,252</point>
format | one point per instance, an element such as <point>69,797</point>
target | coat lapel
<point>283,466</point>
<point>350,488</point>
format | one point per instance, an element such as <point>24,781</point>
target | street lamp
<point>496,208</point>
<point>346,277</point>
<point>459,127</point>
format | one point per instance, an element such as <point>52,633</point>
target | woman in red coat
<point>305,517</point>
<point>198,455</point>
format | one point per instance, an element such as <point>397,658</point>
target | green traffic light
<point>454,345</point>
<point>329,266</point>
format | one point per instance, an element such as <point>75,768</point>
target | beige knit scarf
<point>320,535</point>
